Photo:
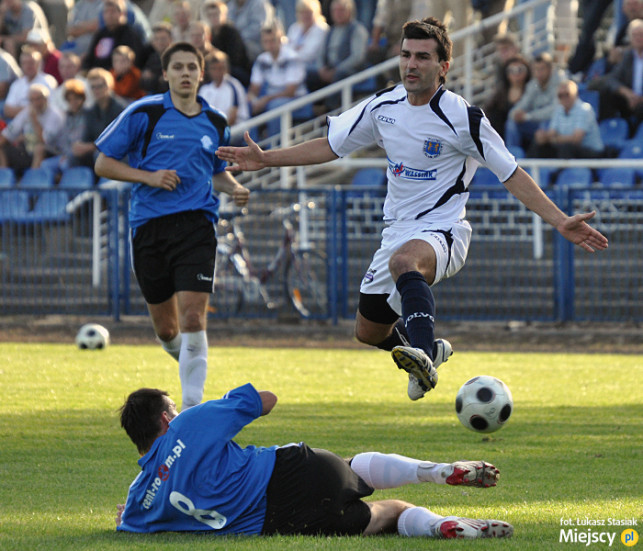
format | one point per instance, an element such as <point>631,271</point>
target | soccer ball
<point>92,337</point>
<point>484,404</point>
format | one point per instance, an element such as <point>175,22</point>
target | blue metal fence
<point>296,254</point>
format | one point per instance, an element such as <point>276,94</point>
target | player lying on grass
<point>194,477</point>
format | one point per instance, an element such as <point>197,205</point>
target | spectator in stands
<point>277,76</point>
<point>32,134</point>
<point>152,81</point>
<point>135,18</point>
<point>505,47</point>
<point>69,67</point>
<point>249,17</point>
<point>227,38</point>
<point>344,52</point>
<point>488,8</point>
<point>41,41</point>
<point>117,32</point>
<point>200,37</point>
<point>592,14</point>
<point>73,130</point>
<point>181,19</point>
<point>18,95</point>
<point>573,131</point>
<point>9,72</point>
<point>81,26</point>
<point>127,77</point>
<point>623,86</point>
<point>106,108</point>
<point>537,104</point>
<point>224,91</point>
<point>18,17</point>
<point>307,36</point>
<point>508,92</point>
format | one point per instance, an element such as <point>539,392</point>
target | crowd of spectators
<point>263,53</point>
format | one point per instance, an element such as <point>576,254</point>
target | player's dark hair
<point>428,28</point>
<point>141,416</point>
<point>180,47</point>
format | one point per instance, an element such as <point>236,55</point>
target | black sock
<point>398,337</point>
<point>418,310</point>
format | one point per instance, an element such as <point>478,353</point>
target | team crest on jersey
<point>207,143</point>
<point>432,147</point>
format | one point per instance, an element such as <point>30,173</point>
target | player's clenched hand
<point>164,179</point>
<point>242,158</point>
<point>578,231</point>
<point>240,196</point>
<point>119,513</point>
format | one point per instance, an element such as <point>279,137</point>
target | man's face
<point>38,101</point>
<point>637,38</point>
<point>542,72</point>
<point>565,96</point>
<point>67,67</point>
<point>340,14</point>
<point>75,102</point>
<point>183,73</point>
<point>112,16</point>
<point>420,67</point>
<point>99,88</point>
<point>29,65</point>
<point>271,43</point>
<point>216,70</point>
<point>213,13</point>
<point>161,40</point>
<point>197,36</point>
<point>121,64</point>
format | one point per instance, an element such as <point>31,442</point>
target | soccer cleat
<point>417,386</point>
<point>422,375</point>
<point>460,528</point>
<point>473,473</point>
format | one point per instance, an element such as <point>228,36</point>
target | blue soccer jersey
<point>196,478</point>
<point>154,135</point>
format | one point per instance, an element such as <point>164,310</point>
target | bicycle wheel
<point>228,297</point>
<point>305,284</point>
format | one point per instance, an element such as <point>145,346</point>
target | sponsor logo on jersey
<point>369,276</point>
<point>411,173</point>
<point>387,120</point>
<point>162,474</point>
<point>161,136</point>
<point>207,143</point>
<point>432,147</point>
<point>202,277</point>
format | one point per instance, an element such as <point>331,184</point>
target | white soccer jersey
<point>433,150</point>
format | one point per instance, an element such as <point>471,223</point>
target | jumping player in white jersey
<point>434,141</point>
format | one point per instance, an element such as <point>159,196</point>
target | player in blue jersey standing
<point>434,141</point>
<point>195,478</point>
<point>170,142</point>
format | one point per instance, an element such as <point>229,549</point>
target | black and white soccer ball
<point>92,336</point>
<point>484,404</point>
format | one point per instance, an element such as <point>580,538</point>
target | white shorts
<point>451,245</point>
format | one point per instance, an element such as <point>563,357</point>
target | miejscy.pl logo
<point>629,537</point>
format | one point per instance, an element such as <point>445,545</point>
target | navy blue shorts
<point>174,253</point>
<point>315,492</point>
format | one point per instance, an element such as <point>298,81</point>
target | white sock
<point>417,521</point>
<point>173,347</point>
<point>193,366</point>
<point>381,470</point>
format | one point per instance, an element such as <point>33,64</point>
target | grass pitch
<point>571,452</point>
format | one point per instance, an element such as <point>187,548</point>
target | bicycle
<point>238,283</point>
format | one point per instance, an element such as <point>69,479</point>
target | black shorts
<point>174,253</point>
<point>315,492</point>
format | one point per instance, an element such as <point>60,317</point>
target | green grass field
<point>572,449</point>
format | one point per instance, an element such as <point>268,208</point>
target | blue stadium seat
<point>50,206</point>
<point>632,149</point>
<point>37,178</point>
<point>484,177</point>
<point>14,205</point>
<point>592,97</point>
<point>77,177</point>
<point>638,135</point>
<point>617,177</point>
<point>575,177</point>
<point>7,178</point>
<point>517,151</point>
<point>369,177</point>
<point>614,132</point>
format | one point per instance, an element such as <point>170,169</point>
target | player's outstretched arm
<point>108,167</point>
<point>252,157</point>
<point>573,228</point>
